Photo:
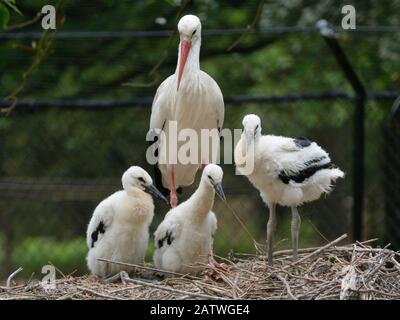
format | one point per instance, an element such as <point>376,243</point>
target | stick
<point>241,223</point>
<point>199,295</point>
<point>12,275</point>
<point>330,244</point>
<point>149,268</point>
<point>100,294</point>
<point>307,250</point>
<point>290,294</point>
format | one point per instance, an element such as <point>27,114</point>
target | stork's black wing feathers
<point>95,234</point>
<point>157,172</point>
<point>305,173</point>
<point>158,181</point>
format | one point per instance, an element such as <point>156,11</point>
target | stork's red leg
<point>173,199</point>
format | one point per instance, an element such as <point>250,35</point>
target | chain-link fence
<point>60,158</point>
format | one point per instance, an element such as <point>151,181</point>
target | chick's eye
<point>194,33</point>
<point>209,177</point>
<point>256,127</point>
<point>141,179</point>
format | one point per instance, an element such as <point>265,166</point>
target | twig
<point>103,295</point>
<point>12,275</point>
<point>149,268</point>
<point>316,229</point>
<point>330,244</point>
<point>26,23</point>
<point>249,27</point>
<point>58,270</point>
<point>154,71</point>
<point>193,294</point>
<point>290,294</point>
<point>242,225</point>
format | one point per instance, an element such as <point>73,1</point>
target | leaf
<point>4,17</point>
<point>12,5</point>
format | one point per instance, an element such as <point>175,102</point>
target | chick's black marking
<point>168,237</point>
<point>95,234</point>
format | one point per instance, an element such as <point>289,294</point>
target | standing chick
<point>119,228</point>
<point>185,237</point>
<point>287,171</point>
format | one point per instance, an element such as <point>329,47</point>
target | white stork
<point>185,237</point>
<point>119,227</point>
<point>287,171</point>
<point>192,99</point>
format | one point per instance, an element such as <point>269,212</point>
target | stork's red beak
<point>185,48</point>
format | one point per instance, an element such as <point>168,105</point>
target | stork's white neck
<point>203,199</point>
<point>192,66</point>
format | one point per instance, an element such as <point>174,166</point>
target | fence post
<point>359,130</point>
<point>391,181</point>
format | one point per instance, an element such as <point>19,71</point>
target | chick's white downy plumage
<point>119,227</point>
<point>185,237</point>
<point>287,171</point>
<point>191,98</point>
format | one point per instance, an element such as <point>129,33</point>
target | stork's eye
<point>141,179</point>
<point>256,127</point>
<point>194,33</point>
<point>211,179</point>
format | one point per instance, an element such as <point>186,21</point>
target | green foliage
<point>33,253</point>
<point>13,5</point>
<point>5,6</point>
<point>4,16</point>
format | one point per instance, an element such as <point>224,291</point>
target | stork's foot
<point>270,262</point>
<point>215,266</point>
<point>121,276</point>
<point>215,270</point>
<point>173,201</point>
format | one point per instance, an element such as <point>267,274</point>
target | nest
<point>354,271</point>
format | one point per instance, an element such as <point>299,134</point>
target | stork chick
<point>185,237</point>
<point>192,99</point>
<point>119,227</point>
<point>287,171</point>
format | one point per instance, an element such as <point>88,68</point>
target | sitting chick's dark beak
<point>219,191</point>
<point>154,192</point>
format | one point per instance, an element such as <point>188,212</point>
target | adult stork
<point>188,99</point>
<point>287,171</point>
